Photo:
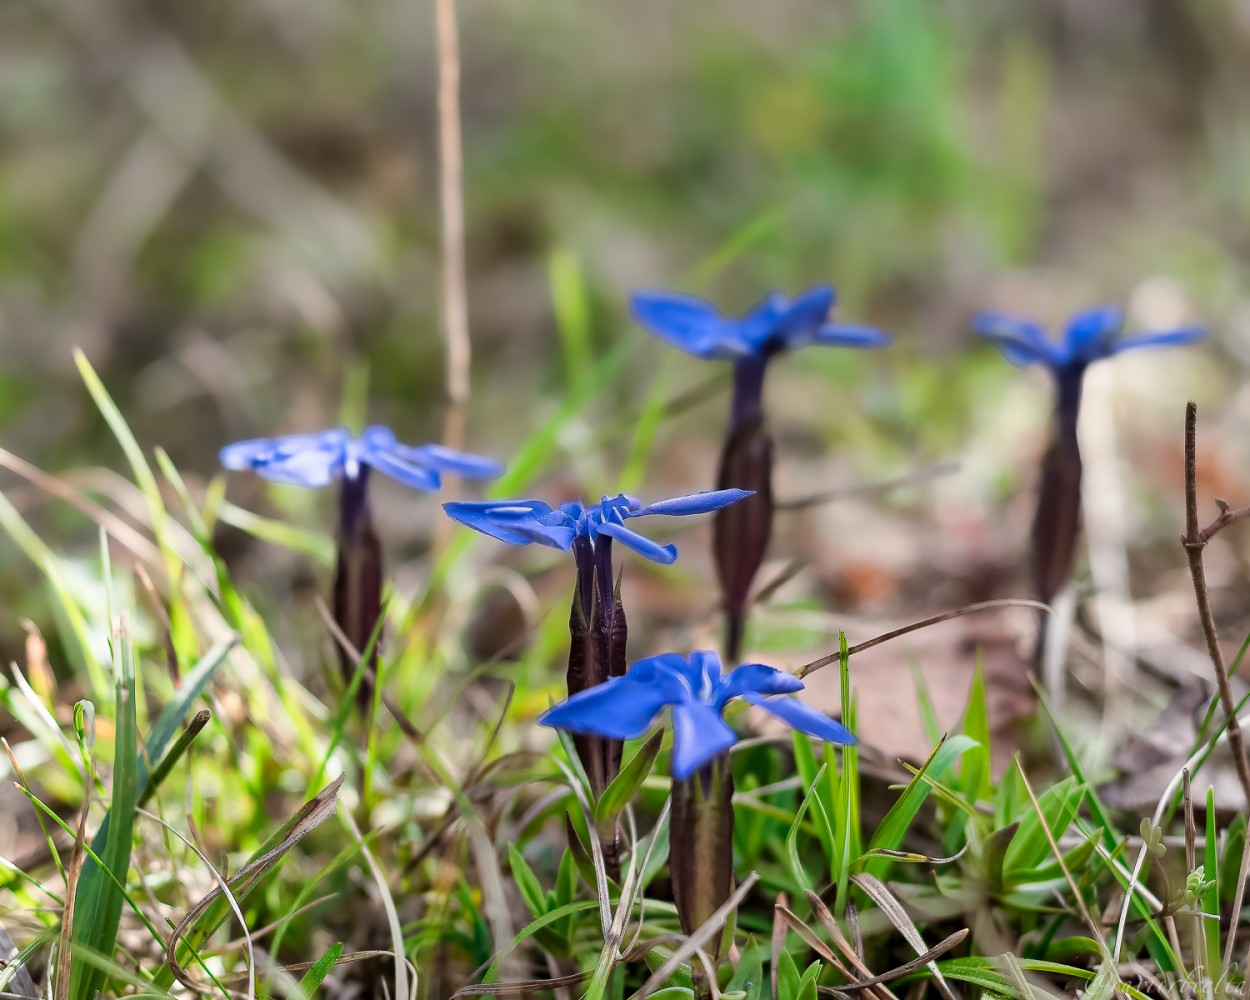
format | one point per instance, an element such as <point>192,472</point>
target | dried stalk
<point>1194,542</point>
<point>455,305</point>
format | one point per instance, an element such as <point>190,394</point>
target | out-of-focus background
<point>234,210</point>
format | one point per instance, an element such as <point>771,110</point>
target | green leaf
<point>144,477</point>
<point>98,900</point>
<point>1230,863</point>
<point>1030,846</point>
<point>976,768</point>
<point>673,993</point>
<point>807,983</point>
<point>527,882</point>
<point>169,721</point>
<point>994,851</point>
<point>566,878</point>
<point>788,982</point>
<point>321,968</point>
<point>532,928</point>
<point>895,824</point>
<point>1074,861</point>
<point>748,977</point>
<point>792,836</point>
<point>617,795</point>
<point>1211,898</point>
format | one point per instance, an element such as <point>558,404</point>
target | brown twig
<point>1194,542</point>
<point>945,616</point>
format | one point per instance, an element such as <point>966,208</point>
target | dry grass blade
<point>945,616</point>
<point>812,941</point>
<point>521,989</point>
<point>778,941</point>
<point>314,812</point>
<point>854,953</point>
<point>223,888</point>
<point>1094,929</point>
<point>712,926</point>
<point>937,951</point>
<point>118,529</point>
<point>71,891</point>
<point>894,912</point>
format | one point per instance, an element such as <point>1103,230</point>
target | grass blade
<point>98,900</point>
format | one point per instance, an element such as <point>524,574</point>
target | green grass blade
<point>145,479</point>
<point>98,901</point>
<point>892,828</point>
<point>321,968</point>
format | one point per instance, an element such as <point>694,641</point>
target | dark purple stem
<point>748,393</point>
<point>357,581</point>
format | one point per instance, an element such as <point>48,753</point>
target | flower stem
<point>357,583</point>
<point>700,856</point>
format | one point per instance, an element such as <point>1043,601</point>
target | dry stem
<point>455,306</point>
<point>1194,542</point>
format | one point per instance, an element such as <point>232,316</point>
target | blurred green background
<point>233,208</point>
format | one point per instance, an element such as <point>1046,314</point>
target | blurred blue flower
<point>321,458</point>
<point>1090,336</point>
<point>697,691</point>
<point>778,323</point>
<point>520,522</point>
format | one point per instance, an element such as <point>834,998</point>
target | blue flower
<point>697,691</point>
<point>778,323</point>
<point>520,522</point>
<point>321,458</point>
<point>1090,336</point>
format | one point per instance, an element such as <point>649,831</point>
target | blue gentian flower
<point>1090,336</point>
<point>777,324</point>
<point>697,691</point>
<point>316,460</point>
<point>520,522</point>
<point>319,459</point>
<point>598,630</point>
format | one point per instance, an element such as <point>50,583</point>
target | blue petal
<point>643,546</point>
<point>462,463</point>
<point>517,522</point>
<point>243,454</point>
<point>620,709</point>
<point>306,468</point>
<point>688,323</point>
<point>693,503</point>
<point>1089,334</point>
<point>848,335</point>
<point>699,734</point>
<point>263,451</point>
<point>408,473</point>
<point>756,678</point>
<point>1168,338</point>
<point>705,672</point>
<point>668,671</point>
<point>798,716</point>
<point>811,307</point>
<point>1021,341</point>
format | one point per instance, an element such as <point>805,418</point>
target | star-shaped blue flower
<point>777,324</point>
<point>697,691</point>
<point>520,522</point>
<point>320,459</point>
<point>1090,336</point>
